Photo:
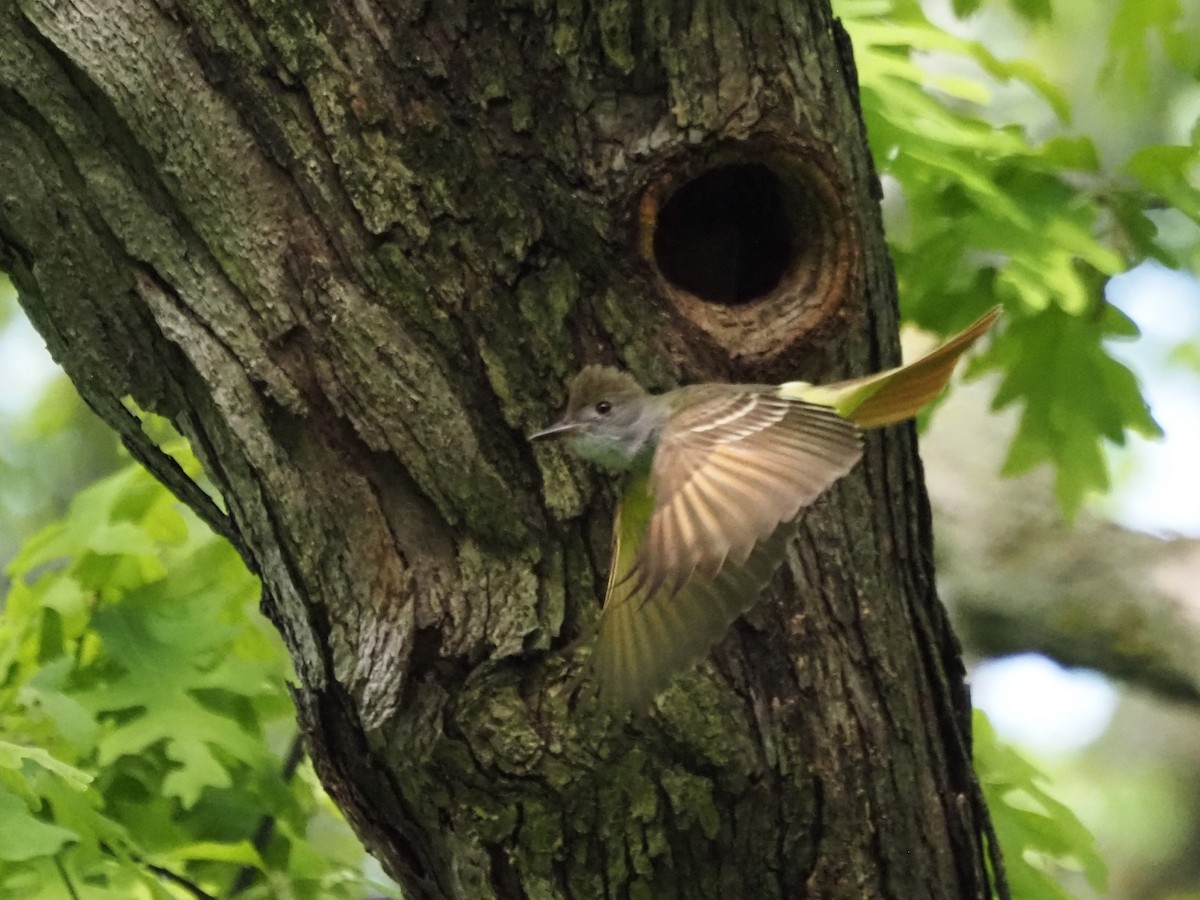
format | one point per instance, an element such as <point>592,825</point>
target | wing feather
<point>728,470</point>
<point>725,475</point>
<point>644,643</point>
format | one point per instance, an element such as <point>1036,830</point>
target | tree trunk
<point>353,251</point>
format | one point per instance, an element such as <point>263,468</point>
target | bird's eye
<point>603,407</point>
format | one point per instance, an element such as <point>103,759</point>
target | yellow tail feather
<point>897,394</point>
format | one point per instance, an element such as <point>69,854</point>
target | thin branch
<point>191,887</point>
<point>266,825</point>
<point>66,879</point>
<point>165,874</point>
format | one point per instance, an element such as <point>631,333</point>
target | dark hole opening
<point>725,236</point>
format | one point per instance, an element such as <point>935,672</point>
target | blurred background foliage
<point>148,747</point>
<point>1045,154</point>
<point>1030,151</point>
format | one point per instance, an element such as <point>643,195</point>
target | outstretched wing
<point>729,468</point>
<point>644,642</point>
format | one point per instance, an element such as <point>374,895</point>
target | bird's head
<point>609,418</point>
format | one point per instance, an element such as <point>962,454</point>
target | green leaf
<point>1129,39</point>
<point>198,770</point>
<point>12,755</point>
<point>144,683</point>
<point>25,835</point>
<point>242,853</point>
<point>1072,153</point>
<point>1073,394</point>
<point>65,596</point>
<point>992,216</point>
<point>121,539</point>
<point>52,542</point>
<point>1033,10</point>
<point>1036,831</point>
<point>1172,173</point>
<point>67,715</point>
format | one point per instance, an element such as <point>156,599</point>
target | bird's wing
<point>727,471</point>
<point>725,474</point>
<point>644,643</point>
<point>897,394</point>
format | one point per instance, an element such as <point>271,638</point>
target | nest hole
<point>726,235</point>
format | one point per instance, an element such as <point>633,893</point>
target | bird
<point>713,475</point>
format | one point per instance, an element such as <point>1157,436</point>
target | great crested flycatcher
<point>713,472</point>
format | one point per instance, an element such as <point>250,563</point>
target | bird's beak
<point>555,429</point>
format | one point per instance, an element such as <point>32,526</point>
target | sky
<point>25,366</point>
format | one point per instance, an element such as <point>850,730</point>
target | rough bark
<point>353,250</point>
